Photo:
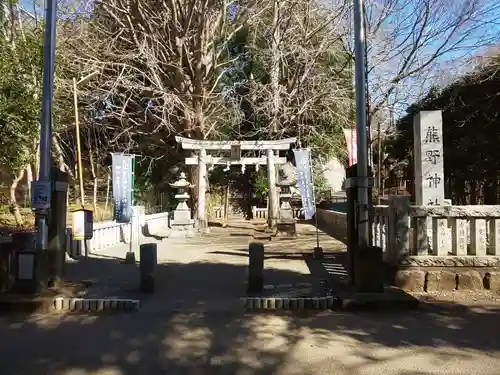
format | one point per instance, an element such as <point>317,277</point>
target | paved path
<point>202,274</point>
<point>182,330</point>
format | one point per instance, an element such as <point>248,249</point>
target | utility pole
<point>44,178</point>
<point>363,224</point>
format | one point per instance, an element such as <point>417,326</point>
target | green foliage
<point>260,185</point>
<point>322,187</point>
<point>20,92</point>
<point>21,66</point>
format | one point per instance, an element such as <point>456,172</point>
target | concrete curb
<point>280,303</point>
<point>99,305</point>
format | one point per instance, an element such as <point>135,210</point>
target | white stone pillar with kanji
<point>428,158</point>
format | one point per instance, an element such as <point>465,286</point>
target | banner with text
<point>122,187</point>
<point>304,180</point>
<point>352,145</point>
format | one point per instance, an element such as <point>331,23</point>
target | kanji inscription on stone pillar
<point>429,161</point>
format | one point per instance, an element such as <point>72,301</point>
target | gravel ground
<point>482,297</point>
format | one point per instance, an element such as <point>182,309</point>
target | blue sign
<point>122,187</point>
<point>305,182</point>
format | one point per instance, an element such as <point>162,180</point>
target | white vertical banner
<point>305,181</point>
<point>352,145</point>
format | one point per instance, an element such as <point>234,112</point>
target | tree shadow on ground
<point>194,324</point>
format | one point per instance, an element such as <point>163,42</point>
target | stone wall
<point>334,223</point>
<point>440,279</point>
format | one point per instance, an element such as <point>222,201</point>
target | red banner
<point>352,145</point>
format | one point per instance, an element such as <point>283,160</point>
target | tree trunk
<point>473,193</point>
<point>37,160</point>
<point>193,193</point>
<point>29,179</point>
<point>108,183</point>
<point>14,207</point>
<point>275,66</point>
<point>94,179</point>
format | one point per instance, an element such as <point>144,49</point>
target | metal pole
<point>362,168</point>
<point>49,49</point>
<point>78,144</point>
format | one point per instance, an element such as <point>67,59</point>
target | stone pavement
<point>190,327</point>
<point>441,340</point>
<point>203,273</point>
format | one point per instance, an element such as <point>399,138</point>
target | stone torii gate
<point>235,148</point>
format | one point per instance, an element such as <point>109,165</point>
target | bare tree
<point>162,64</point>
<point>412,43</point>
<point>298,45</point>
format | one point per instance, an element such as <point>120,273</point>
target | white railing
<point>261,213</point>
<point>110,233</point>
<point>218,212</point>
<point>298,212</point>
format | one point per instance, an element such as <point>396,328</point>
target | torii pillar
<point>273,206</point>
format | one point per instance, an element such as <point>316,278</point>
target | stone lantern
<point>182,222</point>
<point>286,221</point>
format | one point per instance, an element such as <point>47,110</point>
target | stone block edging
<point>282,303</point>
<point>447,279</point>
<point>95,305</point>
<point>449,261</point>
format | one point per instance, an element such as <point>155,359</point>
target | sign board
<point>122,186</point>
<point>305,182</point>
<point>40,194</point>
<point>82,225</point>
<point>235,152</point>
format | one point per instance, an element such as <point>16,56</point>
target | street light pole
<point>361,131</point>
<point>44,177</point>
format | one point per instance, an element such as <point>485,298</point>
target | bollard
<point>255,267</point>
<point>318,252</point>
<point>148,262</point>
<point>369,270</point>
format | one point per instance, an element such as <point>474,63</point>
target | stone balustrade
<point>432,248</point>
<point>429,236</point>
<point>110,233</point>
<point>261,212</point>
<point>451,236</point>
